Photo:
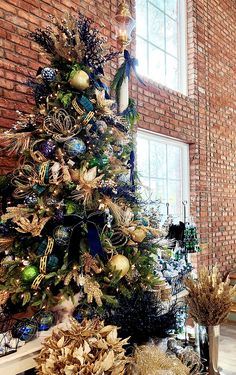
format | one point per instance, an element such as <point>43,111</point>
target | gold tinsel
<point>90,264</point>
<point>86,348</point>
<point>150,360</point>
<point>4,295</point>
<point>209,299</point>
<point>15,143</point>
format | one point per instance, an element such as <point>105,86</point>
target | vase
<point>208,346</point>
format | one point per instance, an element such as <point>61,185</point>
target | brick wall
<point>205,119</point>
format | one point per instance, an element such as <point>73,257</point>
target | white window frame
<point>182,48</point>
<point>185,174</point>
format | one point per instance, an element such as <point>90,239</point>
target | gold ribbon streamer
<point>37,281</point>
<point>77,107</point>
<point>49,247</point>
<point>88,118</point>
<point>43,170</point>
<point>43,264</point>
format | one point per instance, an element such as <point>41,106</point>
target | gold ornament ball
<point>138,235</point>
<point>120,263</point>
<point>80,80</point>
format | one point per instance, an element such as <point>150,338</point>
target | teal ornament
<point>25,329</point>
<point>52,263</point>
<point>29,273</point>
<point>99,161</point>
<point>42,247</point>
<point>74,147</point>
<point>62,235</point>
<point>45,320</point>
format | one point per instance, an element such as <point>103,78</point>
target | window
<point>161,42</point>
<point>163,166</point>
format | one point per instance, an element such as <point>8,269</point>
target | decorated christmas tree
<point>72,222</point>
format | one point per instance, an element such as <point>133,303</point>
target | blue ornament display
<point>48,74</point>
<point>47,148</point>
<point>25,329</point>
<point>74,147</point>
<point>52,263</point>
<point>61,235</point>
<point>78,315</point>
<point>45,320</point>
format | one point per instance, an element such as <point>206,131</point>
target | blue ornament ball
<point>45,320</point>
<point>48,74</point>
<point>61,235</point>
<point>25,329</point>
<point>78,315</point>
<point>52,263</point>
<point>74,147</point>
<point>47,148</point>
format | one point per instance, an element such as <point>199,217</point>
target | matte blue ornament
<point>45,320</point>
<point>47,148</point>
<point>74,147</point>
<point>52,263</point>
<point>61,235</point>
<point>48,74</point>
<point>25,329</point>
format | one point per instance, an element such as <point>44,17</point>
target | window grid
<point>180,58</point>
<point>181,183</point>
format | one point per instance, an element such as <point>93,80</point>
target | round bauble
<point>74,147</point>
<point>80,80</point>
<point>29,273</point>
<point>100,162</point>
<point>61,235</point>
<point>48,74</point>
<point>77,314</point>
<point>52,263</point>
<point>120,263</point>
<point>45,320</point>
<point>31,199</point>
<point>25,329</point>
<point>47,148</point>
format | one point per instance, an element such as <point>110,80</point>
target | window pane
<point>175,197</point>
<point>156,26</point>
<point>171,8</point>
<point>141,53</point>
<point>174,160</point>
<point>171,72</point>
<point>157,160</point>
<point>156,64</point>
<point>145,190</point>
<point>159,189</point>
<point>171,36</point>
<point>141,18</point>
<point>158,3</point>
<point>143,156</point>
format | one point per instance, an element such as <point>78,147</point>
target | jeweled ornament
<point>29,273</point>
<point>25,329</point>
<point>61,235</point>
<point>120,263</point>
<point>80,80</point>
<point>48,74</point>
<point>74,147</point>
<point>45,320</point>
<point>47,148</point>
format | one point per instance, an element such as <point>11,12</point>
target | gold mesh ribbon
<point>43,264</point>
<point>77,107</point>
<point>88,118</point>
<point>43,170</point>
<point>37,281</point>
<point>49,247</point>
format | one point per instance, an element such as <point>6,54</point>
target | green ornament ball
<point>99,162</point>
<point>29,273</point>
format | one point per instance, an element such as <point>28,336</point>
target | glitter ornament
<point>45,320</point>
<point>100,161</point>
<point>31,199</point>
<point>74,147</point>
<point>80,80</point>
<point>61,235</point>
<point>48,74</point>
<point>47,148</point>
<point>25,329</point>
<point>78,315</point>
<point>120,264</point>
<point>29,273</point>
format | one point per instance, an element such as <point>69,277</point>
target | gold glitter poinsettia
<point>86,348</point>
<point>16,212</point>
<point>88,181</point>
<point>103,104</point>
<point>34,226</point>
<point>90,264</point>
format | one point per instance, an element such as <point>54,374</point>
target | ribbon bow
<point>131,63</point>
<point>90,221</point>
<point>131,166</point>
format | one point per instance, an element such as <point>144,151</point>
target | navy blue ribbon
<point>99,84</point>
<point>131,164</point>
<point>131,63</point>
<point>90,221</point>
